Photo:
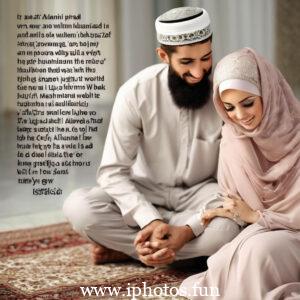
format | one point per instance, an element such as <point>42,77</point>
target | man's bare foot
<point>101,255</point>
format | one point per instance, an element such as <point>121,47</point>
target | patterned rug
<point>53,262</point>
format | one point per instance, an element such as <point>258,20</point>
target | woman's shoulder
<point>227,133</point>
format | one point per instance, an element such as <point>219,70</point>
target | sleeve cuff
<point>145,214</point>
<point>195,223</point>
<point>261,220</point>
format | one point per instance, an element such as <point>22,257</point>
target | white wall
<point>237,24</point>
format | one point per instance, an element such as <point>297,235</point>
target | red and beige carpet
<point>53,262</point>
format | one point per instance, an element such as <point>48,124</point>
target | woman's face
<point>243,108</point>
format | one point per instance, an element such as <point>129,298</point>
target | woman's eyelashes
<point>229,108</point>
<point>246,103</point>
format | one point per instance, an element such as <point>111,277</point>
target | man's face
<point>192,62</point>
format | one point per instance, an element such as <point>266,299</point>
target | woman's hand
<point>233,208</point>
<point>209,214</point>
<point>240,209</point>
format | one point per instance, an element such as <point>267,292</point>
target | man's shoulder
<point>144,77</point>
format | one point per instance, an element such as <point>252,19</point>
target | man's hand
<point>146,233</point>
<point>152,256</point>
<point>157,243</point>
<point>172,237</point>
<point>161,257</point>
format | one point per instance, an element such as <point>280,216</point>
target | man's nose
<point>197,72</point>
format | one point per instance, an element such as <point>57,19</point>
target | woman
<point>259,174</point>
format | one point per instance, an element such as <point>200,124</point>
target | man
<point>157,172</point>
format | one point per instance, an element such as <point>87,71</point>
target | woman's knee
<point>264,247</point>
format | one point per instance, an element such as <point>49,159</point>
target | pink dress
<point>258,264</point>
<point>261,166</point>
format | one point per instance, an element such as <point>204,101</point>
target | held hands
<point>157,243</point>
<point>155,231</point>
<point>234,208</point>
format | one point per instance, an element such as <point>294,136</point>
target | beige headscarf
<point>262,166</point>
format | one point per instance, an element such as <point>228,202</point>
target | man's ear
<point>163,56</point>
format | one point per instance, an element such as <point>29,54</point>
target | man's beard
<point>189,96</point>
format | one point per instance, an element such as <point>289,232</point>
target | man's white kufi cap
<point>183,25</point>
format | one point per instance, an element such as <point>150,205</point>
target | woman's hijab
<point>263,165</point>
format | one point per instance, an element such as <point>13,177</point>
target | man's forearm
<point>189,233</point>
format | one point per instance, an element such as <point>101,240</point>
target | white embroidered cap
<point>183,25</point>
